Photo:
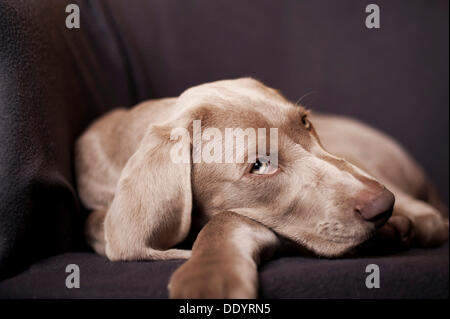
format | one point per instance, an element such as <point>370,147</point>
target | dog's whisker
<point>300,99</point>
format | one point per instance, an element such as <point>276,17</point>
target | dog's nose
<point>378,209</point>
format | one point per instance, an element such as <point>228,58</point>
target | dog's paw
<point>401,232</point>
<point>402,228</point>
<point>397,234</point>
<point>213,280</point>
<point>394,236</point>
<point>432,230</point>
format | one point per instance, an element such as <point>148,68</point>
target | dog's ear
<point>151,210</point>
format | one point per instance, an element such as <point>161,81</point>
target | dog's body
<point>143,204</point>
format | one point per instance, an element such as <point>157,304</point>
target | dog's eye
<point>263,167</point>
<point>306,122</point>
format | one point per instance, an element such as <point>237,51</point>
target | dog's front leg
<point>225,258</point>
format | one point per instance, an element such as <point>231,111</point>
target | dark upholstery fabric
<point>55,81</point>
<point>414,274</point>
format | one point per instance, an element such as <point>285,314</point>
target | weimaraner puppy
<point>330,189</point>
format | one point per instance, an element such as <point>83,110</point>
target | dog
<point>333,188</point>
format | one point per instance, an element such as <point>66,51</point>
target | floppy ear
<point>151,210</point>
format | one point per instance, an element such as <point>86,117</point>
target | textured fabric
<point>414,274</point>
<point>55,81</point>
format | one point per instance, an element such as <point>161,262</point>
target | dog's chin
<point>325,245</point>
<point>333,250</point>
<point>338,247</point>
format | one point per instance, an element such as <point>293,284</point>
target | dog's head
<point>296,187</point>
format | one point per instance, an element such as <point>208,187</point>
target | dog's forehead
<point>244,100</point>
<point>225,92</point>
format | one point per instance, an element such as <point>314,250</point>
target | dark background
<point>55,81</point>
<point>394,78</point>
